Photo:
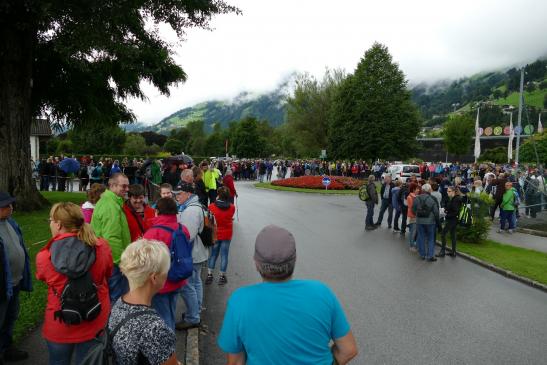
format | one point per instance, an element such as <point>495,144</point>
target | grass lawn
<point>302,190</point>
<point>528,263</point>
<point>534,98</point>
<point>36,232</point>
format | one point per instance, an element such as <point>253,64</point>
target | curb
<point>192,347</point>
<point>534,232</point>
<point>499,270</point>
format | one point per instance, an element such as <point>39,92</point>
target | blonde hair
<point>143,258</point>
<point>70,216</point>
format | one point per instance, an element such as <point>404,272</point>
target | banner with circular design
<point>488,131</point>
<point>506,130</point>
<point>518,130</point>
<point>529,129</point>
<point>481,131</point>
<point>498,131</point>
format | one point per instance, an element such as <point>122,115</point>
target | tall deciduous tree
<point>373,116</point>
<point>97,138</point>
<point>458,134</point>
<point>76,62</point>
<point>308,111</point>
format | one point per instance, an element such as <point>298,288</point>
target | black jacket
<point>453,207</point>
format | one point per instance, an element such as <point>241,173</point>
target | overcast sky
<point>430,39</point>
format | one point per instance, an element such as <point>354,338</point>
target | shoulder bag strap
<point>127,319</point>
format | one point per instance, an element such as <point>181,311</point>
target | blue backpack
<point>182,264</point>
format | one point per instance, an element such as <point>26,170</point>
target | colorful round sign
<point>481,131</point>
<point>498,131</point>
<point>518,130</point>
<point>507,131</point>
<point>488,131</point>
<point>529,129</point>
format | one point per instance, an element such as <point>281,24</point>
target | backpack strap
<point>165,228</point>
<point>127,319</point>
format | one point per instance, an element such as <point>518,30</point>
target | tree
<point>196,145</point>
<point>134,144</point>
<point>154,138</point>
<point>534,150</point>
<point>372,115</point>
<point>458,134</point>
<point>97,138</point>
<point>215,143</point>
<point>247,141</point>
<point>75,62</point>
<point>309,108</point>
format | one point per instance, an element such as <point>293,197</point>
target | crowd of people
<point>113,264</point>
<point>427,205</point>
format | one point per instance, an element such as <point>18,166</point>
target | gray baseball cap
<point>274,245</point>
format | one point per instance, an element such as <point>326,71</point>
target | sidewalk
<point>523,240</point>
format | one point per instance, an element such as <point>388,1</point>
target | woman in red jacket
<point>228,181</point>
<point>72,251</point>
<point>223,211</point>
<point>165,301</point>
<point>138,214</point>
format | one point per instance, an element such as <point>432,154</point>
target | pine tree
<point>373,116</point>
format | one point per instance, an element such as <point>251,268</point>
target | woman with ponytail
<point>72,252</point>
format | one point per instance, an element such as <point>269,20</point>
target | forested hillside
<point>500,88</point>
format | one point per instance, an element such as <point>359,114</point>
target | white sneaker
<point>510,231</point>
<point>499,231</point>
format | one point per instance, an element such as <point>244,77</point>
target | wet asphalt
<point>402,310</point>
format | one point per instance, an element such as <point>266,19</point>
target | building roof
<point>40,127</point>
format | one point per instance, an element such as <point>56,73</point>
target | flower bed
<point>316,182</point>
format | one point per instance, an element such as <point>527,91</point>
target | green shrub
<point>480,210</point>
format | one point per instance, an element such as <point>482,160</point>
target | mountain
<point>268,106</point>
<point>434,100</point>
<point>496,88</point>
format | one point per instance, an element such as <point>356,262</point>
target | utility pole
<point>519,123</point>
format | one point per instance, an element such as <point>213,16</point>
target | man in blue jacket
<point>14,277</point>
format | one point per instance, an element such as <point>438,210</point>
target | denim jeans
<point>9,312</point>
<point>509,216</point>
<point>412,235</point>
<point>396,219</point>
<point>222,246</point>
<point>117,284</point>
<point>166,305</point>
<point>192,294</point>
<point>385,205</point>
<point>369,220</point>
<point>62,353</point>
<point>426,240</point>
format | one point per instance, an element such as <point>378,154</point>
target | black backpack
<point>79,300</point>
<point>423,209</point>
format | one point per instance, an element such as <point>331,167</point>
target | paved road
<point>402,310</point>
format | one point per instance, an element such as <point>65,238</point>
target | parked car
<point>402,171</point>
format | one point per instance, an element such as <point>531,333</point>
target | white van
<point>402,172</point>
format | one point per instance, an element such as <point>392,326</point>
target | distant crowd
<point>428,203</point>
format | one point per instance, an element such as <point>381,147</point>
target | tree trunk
<point>16,58</point>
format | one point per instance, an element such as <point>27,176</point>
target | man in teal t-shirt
<point>284,321</point>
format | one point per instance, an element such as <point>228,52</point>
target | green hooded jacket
<point>109,222</point>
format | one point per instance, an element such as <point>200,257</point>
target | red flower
<point>316,182</point>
